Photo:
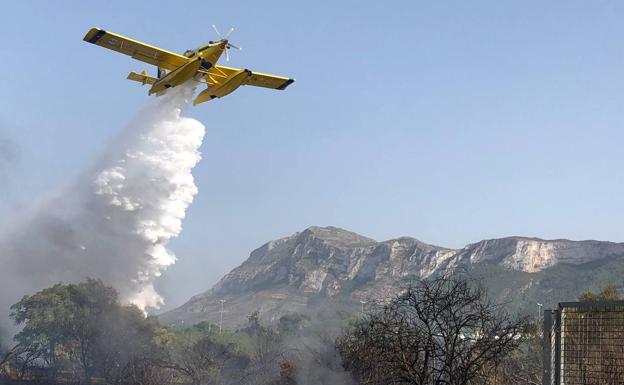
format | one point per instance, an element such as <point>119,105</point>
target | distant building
<point>584,344</point>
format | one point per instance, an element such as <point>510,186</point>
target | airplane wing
<point>256,79</point>
<point>136,49</point>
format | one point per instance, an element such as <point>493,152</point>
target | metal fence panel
<point>584,342</point>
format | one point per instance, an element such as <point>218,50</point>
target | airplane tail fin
<point>143,77</point>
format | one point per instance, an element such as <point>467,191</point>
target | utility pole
<point>362,302</point>
<point>539,311</point>
<point>221,319</point>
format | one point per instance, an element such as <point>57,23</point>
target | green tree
<point>292,323</point>
<point>60,323</point>
<point>83,325</point>
<point>608,293</point>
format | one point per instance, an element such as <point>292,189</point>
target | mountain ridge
<point>329,264</point>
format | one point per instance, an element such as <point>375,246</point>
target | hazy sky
<point>448,121</point>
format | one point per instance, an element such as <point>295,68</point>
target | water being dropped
<point>114,222</point>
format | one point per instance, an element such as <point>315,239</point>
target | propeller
<point>216,30</point>
<point>229,33</point>
<point>225,38</point>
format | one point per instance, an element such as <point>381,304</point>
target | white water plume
<point>115,220</point>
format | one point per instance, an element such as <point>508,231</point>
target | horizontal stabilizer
<point>143,77</point>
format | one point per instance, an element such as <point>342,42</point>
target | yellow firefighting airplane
<point>199,64</point>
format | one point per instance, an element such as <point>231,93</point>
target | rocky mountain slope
<point>328,266</point>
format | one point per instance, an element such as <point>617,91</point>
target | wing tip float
<point>199,64</point>
<point>286,84</point>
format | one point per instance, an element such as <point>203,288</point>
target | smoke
<point>313,350</point>
<point>8,159</point>
<point>115,220</point>
<point>319,363</point>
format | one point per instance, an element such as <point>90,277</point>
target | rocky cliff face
<point>325,264</point>
<point>532,254</point>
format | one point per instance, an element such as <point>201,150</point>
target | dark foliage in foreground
<point>81,334</point>
<point>442,331</point>
<point>79,331</point>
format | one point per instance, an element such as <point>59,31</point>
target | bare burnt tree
<point>5,358</point>
<point>15,362</point>
<point>442,331</point>
<point>208,361</point>
<point>267,351</point>
<point>125,346</point>
<point>523,366</point>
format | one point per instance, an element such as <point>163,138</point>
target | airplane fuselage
<point>203,57</point>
